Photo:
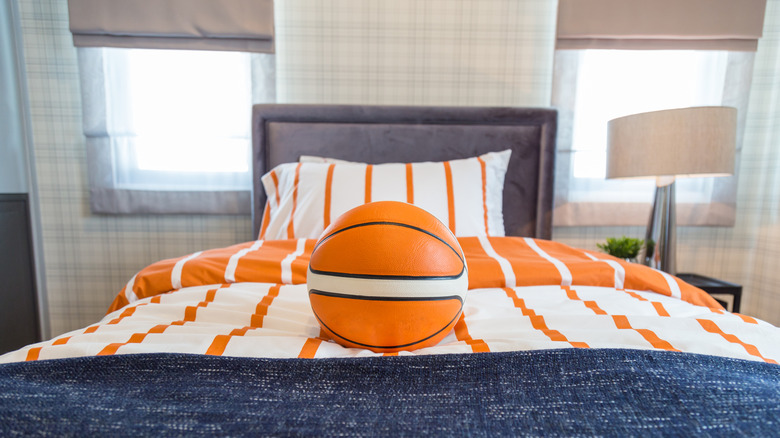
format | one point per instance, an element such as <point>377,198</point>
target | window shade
<point>660,24</point>
<point>234,25</point>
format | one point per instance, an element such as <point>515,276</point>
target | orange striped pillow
<point>466,194</point>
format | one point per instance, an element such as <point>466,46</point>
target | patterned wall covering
<point>89,258</point>
<point>464,52</point>
<point>435,52</point>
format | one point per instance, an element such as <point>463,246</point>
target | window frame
<point>107,194</point>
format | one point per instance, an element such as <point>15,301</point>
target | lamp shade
<point>698,141</point>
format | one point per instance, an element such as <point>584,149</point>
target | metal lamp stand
<point>659,250</point>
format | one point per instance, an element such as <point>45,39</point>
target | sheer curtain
<point>615,58</point>
<point>592,87</point>
<point>168,130</point>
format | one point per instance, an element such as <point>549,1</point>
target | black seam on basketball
<point>376,298</point>
<point>387,277</point>
<point>457,314</point>
<point>399,224</point>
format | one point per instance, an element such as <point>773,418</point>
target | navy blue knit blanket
<point>552,392</point>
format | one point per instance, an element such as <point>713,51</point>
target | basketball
<point>387,276</point>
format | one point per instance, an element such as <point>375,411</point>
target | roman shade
<point>234,25</point>
<point>660,24</point>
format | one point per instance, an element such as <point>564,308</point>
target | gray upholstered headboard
<point>384,134</point>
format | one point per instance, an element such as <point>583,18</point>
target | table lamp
<point>666,145</point>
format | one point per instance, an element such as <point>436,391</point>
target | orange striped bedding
<point>465,194</point>
<point>250,300</point>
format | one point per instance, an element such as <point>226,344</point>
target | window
<point>181,118</point>
<point>592,87</point>
<point>168,131</point>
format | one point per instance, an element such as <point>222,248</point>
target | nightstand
<point>716,287</point>
<point>18,299</point>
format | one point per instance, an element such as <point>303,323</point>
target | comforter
<point>524,294</point>
<point>221,342</point>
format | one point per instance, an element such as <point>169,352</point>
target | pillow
<point>316,159</point>
<point>466,194</point>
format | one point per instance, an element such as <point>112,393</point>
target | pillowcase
<point>316,159</point>
<point>466,194</point>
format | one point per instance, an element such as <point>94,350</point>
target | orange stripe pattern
<point>219,344</point>
<point>483,168</point>
<point>462,333</point>
<point>310,348</point>
<point>473,187</point>
<point>537,321</point>
<point>711,327</point>
<point>621,322</point>
<point>530,268</point>
<point>190,313</point>
<point>369,170</point>
<point>328,194</point>
<point>450,197</point>
<point>263,266</point>
<point>409,184</point>
<point>592,312</point>
<point>296,183</point>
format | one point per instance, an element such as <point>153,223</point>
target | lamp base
<point>659,250</point>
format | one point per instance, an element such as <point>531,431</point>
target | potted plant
<point>626,248</point>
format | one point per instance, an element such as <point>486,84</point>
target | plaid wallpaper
<point>88,258</point>
<point>438,52</point>
<point>434,52</point>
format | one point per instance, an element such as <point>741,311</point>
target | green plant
<point>622,247</point>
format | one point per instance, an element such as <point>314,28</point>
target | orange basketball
<point>387,276</point>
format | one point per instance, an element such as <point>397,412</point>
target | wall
<point>465,52</point>
<point>89,258</point>
<point>436,52</point>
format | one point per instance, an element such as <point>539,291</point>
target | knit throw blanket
<point>549,392</point>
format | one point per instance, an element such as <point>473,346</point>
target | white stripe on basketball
<point>560,266</point>
<point>230,271</point>
<point>406,288</point>
<point>178,267</point>
<point>506,267</point>
<point>287,262</point>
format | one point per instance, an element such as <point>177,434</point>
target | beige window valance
<point>235,25</point>
<point>660,24</point>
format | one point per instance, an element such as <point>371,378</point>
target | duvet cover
<point>524,294</point>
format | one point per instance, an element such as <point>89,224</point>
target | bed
<point>553,340</point>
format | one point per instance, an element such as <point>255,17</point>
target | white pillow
<point>466,195</point>
<point>316,159</point>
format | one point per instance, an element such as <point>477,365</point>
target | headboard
<point>281,133</point>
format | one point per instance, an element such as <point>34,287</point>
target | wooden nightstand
<point>716,287</point>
